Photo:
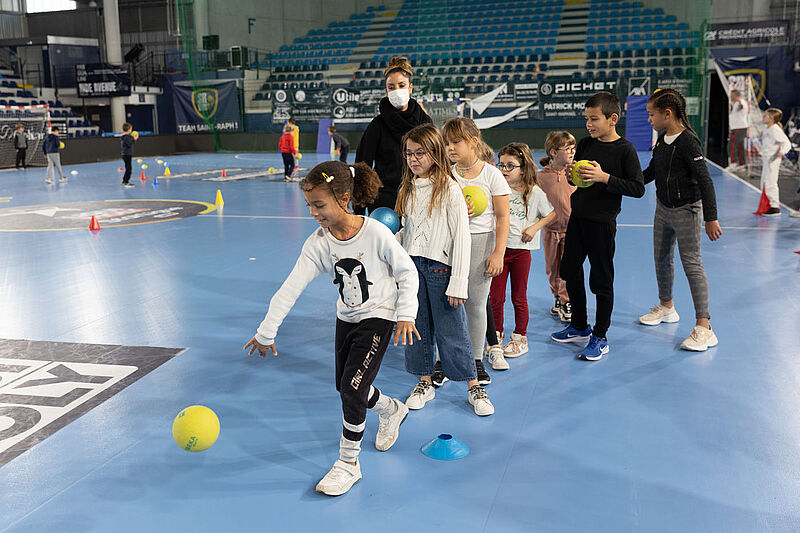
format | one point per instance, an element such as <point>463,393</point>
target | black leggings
<point>288,164</point>
<point>359,352</point>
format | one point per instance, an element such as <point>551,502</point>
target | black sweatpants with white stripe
<point>359,353</point>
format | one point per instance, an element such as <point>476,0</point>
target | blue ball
<point>388,217</point>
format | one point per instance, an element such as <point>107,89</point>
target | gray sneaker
<point>389,426</point>
<point>421,394</point>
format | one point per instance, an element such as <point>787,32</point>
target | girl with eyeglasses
<point>560,149</point>
<point>436,235</point>
<point>530,212</point>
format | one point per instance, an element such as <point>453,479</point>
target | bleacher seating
<point>479,44</point>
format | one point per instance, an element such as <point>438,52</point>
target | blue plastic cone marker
<point>155,180</point>
<point>445,448</point>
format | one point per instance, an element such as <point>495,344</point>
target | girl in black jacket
<point>380,146</point>
<point>685,196</point>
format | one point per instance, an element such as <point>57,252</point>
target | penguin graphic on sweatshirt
<point>351,277</point>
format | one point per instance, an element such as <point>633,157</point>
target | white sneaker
<point>340,478</point>
<point>480,401</point>
<point>659,314</point>
<point>700,340</point>
<point>389,426</point>
<point>48,180</point>
<point>63,180</point>
<point>496,358</point>
<point>422,393</point>
<point>489,347</point>
<point>516,347</point>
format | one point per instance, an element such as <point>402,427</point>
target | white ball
<point>74,172</point>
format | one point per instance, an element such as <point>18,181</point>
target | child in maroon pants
<point>530,212</point>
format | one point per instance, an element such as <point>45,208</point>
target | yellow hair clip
<point>328,179</point>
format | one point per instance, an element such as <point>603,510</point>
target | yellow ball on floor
<point>196,428</point>
<point>299,155</point>
<point>144,166</point>
<point>272,170</point>
<point>139,160</point>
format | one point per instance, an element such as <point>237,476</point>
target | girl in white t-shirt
<point>530,212</point>
<point>471,156</point>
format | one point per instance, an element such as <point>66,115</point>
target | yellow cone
<point>167,172</point>
<point>219,198</point>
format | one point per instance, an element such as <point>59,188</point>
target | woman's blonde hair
<point>462,128</point>
<point>555,141</point>
<point>523,154</point>
<point>776,115</point>
<point>399,64</point>
<point>427,136</point>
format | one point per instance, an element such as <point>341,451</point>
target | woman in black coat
<point>380,145</point>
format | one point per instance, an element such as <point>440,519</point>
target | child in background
<point>530,212</point>
<point>378,287</point>
<point>296,138</point>
<point>21,146</point>
<point>738,113</point>
<point>436,235</point>
<point>51,147</point>
<point>614,171</point>
<point>560,149</point>
<point>287,150</point>
<point>683,189</point>
<point>774,145</point>
<point>471,156</point>
<point>341,144</point>
<point>126,144</point>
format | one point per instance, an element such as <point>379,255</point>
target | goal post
<point>36,121</point>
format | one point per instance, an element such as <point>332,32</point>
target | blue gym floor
<point>651,438</point>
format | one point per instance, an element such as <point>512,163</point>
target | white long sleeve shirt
<point>774,140</point>
<point>443,236</point>
<point>375,276</point>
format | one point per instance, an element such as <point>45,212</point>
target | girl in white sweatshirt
<point>774,145</point>
<point>436,236</point>
<point>377,285</point>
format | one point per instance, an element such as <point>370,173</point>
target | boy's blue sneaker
<point>570,334</point>
<point>595,350</point>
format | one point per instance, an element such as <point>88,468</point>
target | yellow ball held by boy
<point>576,178</point>
<point>477,197</point>
<point>196,428</point>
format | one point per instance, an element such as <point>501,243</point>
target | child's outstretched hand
<point>713,230</point>
<point>262,348</point>
<point>406,331</point>
<point>593,173</point>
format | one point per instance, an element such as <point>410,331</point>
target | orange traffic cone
<point>224,174</point>
<point>94,225</point>
<point>763,204</point>
<point>143,178</point>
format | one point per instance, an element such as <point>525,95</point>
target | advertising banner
<point>102,79</point>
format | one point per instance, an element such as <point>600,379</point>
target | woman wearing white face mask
<point>381,146</point>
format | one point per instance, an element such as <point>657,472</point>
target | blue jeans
<point>440,325</point>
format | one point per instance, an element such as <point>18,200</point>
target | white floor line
<point>280,217</point>
<point>730,228</point>
<point>746,183</point>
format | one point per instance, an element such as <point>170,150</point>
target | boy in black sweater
<point>126,150</point>
<point>615,172</point>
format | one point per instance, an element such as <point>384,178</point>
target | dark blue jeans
<point>440,325</point>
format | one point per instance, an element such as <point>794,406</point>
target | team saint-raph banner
<point>741,70</point>
<point>215,104</point>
